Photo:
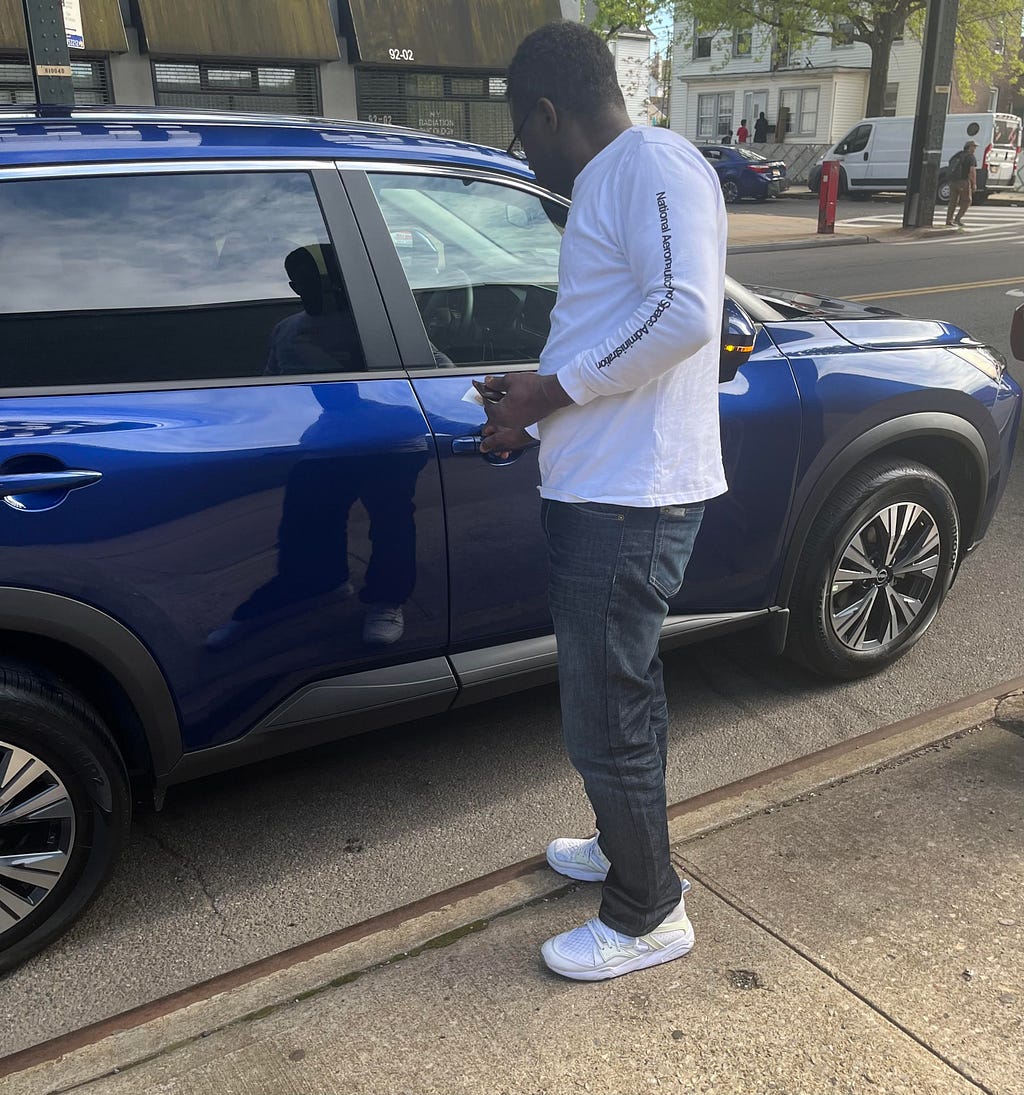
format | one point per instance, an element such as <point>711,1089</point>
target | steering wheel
<point>448,311</point>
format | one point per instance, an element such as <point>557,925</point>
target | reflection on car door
<point>473,265</point>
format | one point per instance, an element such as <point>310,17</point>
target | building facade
<point>438,67</point>
<point>810,94</point>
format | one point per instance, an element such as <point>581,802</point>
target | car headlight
<point>989,361</point>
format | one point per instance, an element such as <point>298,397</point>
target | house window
<point>842,35</point>
<point>801,105</point>
<point>701,42</point>
<point>714,115</point>
<point>741,43</point>
<point>782,51</point>
<point>891,95</point>
<point>90,78</point>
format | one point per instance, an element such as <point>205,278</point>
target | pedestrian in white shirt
<point>625,405</point>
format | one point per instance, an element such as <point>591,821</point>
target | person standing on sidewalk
<point>626,409</point>
<point>760,129</point>
<point>742,134</point>
<point>963,181</point>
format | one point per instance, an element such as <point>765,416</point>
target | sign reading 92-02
<point>401,55</point>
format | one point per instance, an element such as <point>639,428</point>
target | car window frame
<point>406,321</point>
<point>379,347</point>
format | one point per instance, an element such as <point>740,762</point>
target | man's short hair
<point>570,65</point>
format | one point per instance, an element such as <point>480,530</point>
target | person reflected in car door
<point>324,484</point>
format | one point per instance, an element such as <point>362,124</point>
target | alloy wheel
<point>884,578</point>
<point>730,191</point>
<point>37,832</point>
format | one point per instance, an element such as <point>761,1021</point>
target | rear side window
<point>170,278</point>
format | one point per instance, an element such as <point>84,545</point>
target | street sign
<point>73,24</point>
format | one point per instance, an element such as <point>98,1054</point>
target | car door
<point>497,553</point>
<point>469,267</point>
<point>204,431</point>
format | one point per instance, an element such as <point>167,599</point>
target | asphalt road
<point>240,866</point>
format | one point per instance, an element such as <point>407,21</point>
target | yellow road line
<point>938,289</point>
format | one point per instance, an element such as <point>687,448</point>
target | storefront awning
<point>281,30</point>
<point>101,26</point>
<point>466,34</point>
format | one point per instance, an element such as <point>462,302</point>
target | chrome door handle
<point>34,481</point>
<point>467,446</point>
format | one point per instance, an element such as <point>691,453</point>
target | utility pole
<point>48,56</point>
<point>930,121</point>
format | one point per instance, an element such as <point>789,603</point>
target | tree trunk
<point>881,49</point>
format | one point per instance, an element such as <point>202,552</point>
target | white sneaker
<point>579,859</point>
<point>595,952</point>
<point>384,624</point>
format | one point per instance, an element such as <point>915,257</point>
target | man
<point>760,129</point>
<point>626,407</point>
<point>963,181</point>
<point>742,134</point>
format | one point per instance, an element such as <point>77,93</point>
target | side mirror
<point>738,334</point>
<point>1017,333</point>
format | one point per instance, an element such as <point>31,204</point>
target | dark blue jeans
<point>612,570</point>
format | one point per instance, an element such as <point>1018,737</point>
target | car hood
<point>866,325</point>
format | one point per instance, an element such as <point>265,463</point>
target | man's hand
<point>503,441</point>
<point>517,400</point>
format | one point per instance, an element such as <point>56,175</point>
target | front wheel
<point>875,567</point>
<point>64,810</point>
<point>942,194</point>
<point>730,191</point>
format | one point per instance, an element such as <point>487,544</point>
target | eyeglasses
<point>515,136</point>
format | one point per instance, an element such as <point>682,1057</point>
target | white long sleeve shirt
<point>636,330</point>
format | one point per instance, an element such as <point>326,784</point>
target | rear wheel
<point>64,810</point>
<point>980,197</point>
<point>874,569</point>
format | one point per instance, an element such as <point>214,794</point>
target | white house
<point>719,78</point>
<point>632,50</point>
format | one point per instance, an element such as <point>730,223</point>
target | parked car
<point>745,173</point>
<point>244,508</point>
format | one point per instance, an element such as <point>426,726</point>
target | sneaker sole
<point>679,949</point>
<point>581,874</point>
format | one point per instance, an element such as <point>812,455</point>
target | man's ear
<point>549,115</point>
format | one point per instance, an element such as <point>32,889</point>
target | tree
<point>981,27</point>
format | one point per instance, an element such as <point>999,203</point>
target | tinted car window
<point>173,278</point>
<point>481,259</point>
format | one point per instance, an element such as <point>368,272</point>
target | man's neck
<point>597,135</point>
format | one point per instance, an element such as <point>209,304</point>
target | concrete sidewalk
<point>756,231</point>
<point>864,936</point>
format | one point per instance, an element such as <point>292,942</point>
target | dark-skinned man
<point>625,405</point>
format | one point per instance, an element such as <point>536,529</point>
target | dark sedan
<point>744,173</point>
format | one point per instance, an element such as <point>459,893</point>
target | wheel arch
<point>947,443</point>
<point>105,661</point>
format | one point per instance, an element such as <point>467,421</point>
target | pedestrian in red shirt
<point>742,134</point>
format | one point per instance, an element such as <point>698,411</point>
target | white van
<point>875,154</point>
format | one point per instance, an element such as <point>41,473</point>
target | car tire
<point>980,197</point>
<point>942,194</point>
<point>845,626</point>
<point>730,190</point>
<point>54,749</point>
<point>814,180</point>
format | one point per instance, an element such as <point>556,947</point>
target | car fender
<point>109,643</point>
<point>837,459</point>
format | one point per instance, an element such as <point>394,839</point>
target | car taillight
<point>759,168</point>
<point>984,159</point>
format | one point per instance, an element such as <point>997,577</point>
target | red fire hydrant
<point>828,191</point>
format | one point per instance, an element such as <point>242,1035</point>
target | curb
<point>253,991</point>
<point>798,245</point>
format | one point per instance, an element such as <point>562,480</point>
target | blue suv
<point>244,507</point>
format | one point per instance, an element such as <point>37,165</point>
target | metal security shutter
<point>468,108</point>
<point>276,89</point>
<point>91,78</point>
